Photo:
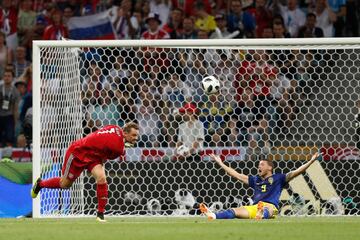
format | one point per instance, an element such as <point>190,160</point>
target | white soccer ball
<point>182,150</point>
<point>211,85</point>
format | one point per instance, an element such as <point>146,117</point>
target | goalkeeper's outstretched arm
<point>239,176</point>
<point>291,175</point>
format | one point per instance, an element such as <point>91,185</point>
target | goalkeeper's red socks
<point>50,183</point>
<point>102,196</point>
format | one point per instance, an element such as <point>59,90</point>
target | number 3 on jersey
<point>263,188</point>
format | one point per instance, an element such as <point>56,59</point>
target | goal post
<point>279,98</point>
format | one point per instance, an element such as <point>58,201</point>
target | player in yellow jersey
<point>267,190</point>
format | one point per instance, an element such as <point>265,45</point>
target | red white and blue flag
<point>93,27</point>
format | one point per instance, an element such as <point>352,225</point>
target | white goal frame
<point>314,43</point>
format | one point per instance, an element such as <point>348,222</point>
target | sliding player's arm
<point>293,174</point>
<point>239,176</point>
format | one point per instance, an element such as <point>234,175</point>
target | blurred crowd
<point>153,87</point>
<point>261,93</point>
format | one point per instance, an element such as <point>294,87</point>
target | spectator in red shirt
<point>8,23</point>
<point>256,74</point>
<point>262,17</point>
<point>57,29</point>
<point>154,32</point>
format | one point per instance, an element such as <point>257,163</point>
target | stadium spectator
<point>263,17</point>
<point>325,17</point>
<point>309,30</point>
<point>217,118</point>
<point>188,29</point>
<point>216,140</point>
<point>149,122</point>
<point>119,71</point>
<point>175,92</point>
<point>20,85</point>
<point>267,32</point>
<point>257,75</point>
<point>221,30</point>
<point>174,26</point>
<point>9,99</point>
<point>241,20</point>
<point>20,63</point>
<point>339,8</point>
<point>5,54</point>
<point>26,76</point>
<point>8,23</point>
<point>45,16</point>
<point>21,141</point>
<point>219,6</point>
<point>26,101</point>
<point>191,131</point>
<point>232,132</point>
<point>106,110</point>
<point>26,21</point>
<point>202,34</point>
<point>145,9</point>
<point>279,87</point>
<point>154,31</point>
<point>9,67</point>
<point>293,16</point>
<point>203,20</point>
<point>57,30</point>
<point>38,31</point>
<point>123,25</point>
<point>138,25</point>
<point>126,107</point>
<point>161,7</point>
<point>226,68</point>
<point>68,13</point>
<point>192,66</point>
<point>279,30</point>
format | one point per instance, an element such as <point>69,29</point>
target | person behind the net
<point>90,152</point>
<point>267,188</point>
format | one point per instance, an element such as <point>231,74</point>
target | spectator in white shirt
<point>162,8</point>
<point>325,17</point>
<point>191,131</point>
<point>293,17</point>
<point>221,30</point>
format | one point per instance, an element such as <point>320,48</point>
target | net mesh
<point>283,104</point>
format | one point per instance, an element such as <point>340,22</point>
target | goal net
<point>283,100</point>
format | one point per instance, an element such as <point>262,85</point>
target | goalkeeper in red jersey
<point>89,153</point>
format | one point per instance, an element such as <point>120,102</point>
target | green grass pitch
<point>165,228</point>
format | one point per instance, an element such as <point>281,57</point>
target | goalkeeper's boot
<point>100,217</point>
<point>205,210</point>
<point>260,211</point>
<point>36,188</point>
